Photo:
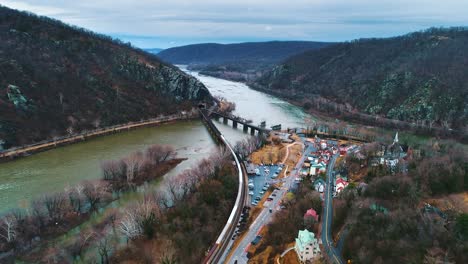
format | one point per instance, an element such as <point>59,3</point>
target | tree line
<point>52,215</point>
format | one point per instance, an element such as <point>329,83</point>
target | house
<point>323,144</point>
<point>307,247</point>
<point>319,185</point>
<point>317,168</point>
<point>340,185</point>
<point>343,149</point>
<point>311,213</point>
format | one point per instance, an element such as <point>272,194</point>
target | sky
<point>169,23</point>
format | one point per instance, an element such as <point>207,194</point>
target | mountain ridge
<point>57,79</point>
<point>215,53</point>
<point>417,77</point>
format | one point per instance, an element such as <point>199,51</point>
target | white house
<point>307,246</point>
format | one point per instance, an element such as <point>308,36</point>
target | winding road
<point>327,240</point>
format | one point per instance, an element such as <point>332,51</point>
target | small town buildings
<point>307,247</point>
<point>318,168</point>
<point>343,149</point>
<point>389,156</point>
<point>323,144</point>
<point>340,185</point>
<point>319,185</point>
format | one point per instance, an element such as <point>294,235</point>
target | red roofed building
<point>311,213</point>
<point>340,185</point>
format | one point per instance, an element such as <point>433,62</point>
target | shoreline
<point>360,118</point>
<point>27,150</point>
<point>36,249</point>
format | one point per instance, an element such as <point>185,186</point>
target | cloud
<point>39,9</point>
<point>155,23</point>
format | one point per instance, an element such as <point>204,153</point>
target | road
<point>240,253</point>
<point>327,241</point>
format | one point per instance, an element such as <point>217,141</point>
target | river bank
<point>22,180</point>
<point>56,214</point>
<point>329,110</point>
<point>27,150</point>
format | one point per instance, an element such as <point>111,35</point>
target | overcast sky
<point>168,23</point>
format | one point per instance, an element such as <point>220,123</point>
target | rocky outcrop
<point>57,80</point>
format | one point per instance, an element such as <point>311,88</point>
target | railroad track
<point>216,253</point>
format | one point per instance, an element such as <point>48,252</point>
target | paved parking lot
<point>266,176</point>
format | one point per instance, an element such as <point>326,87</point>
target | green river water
<point>52,171</point>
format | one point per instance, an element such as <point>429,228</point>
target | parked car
<point>269,199</point>
<point>274,194</point>
<point>256,240</point>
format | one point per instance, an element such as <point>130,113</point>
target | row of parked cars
<point>241,226</point>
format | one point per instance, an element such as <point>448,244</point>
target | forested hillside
<point>239,62</point>
<point>420,77</point>
<point>258,52</point>
<point>56,80</point>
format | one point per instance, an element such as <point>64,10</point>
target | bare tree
<point>56,206</point>
<point>76,197</point>
<point>129,225</point>
<point>168,153</point>
<point>103,250</point>
<point>94,193</point>
<point>114,170</point>
<point>84,239</point>
<point>8,228</point>
<point>161,199</point>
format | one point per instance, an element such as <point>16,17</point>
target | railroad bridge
<point>235,122</point>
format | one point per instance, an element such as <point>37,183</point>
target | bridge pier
<point>225,120</point>
<point>245,128</point>
<point>252,131</point>
<point>234,124</point>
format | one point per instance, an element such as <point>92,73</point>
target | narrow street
<point>265,217</point>
<point>327,240</point>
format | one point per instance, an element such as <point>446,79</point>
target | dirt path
<point>287,150</point>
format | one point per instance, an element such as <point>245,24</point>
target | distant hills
<point>154,50</point>
<point>56,79</point>
<point>253,52</point>
<point>420,77</point>
<point>239,62</point>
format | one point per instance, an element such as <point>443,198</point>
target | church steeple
<point>395,140</point>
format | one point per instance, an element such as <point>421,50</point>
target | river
<point>53,170</point>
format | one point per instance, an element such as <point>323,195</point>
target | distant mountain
<point>154,50</point>
<point>254,52</point>
<point>239,62</point>
<point>56,79</point>
<point>420,77</point>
